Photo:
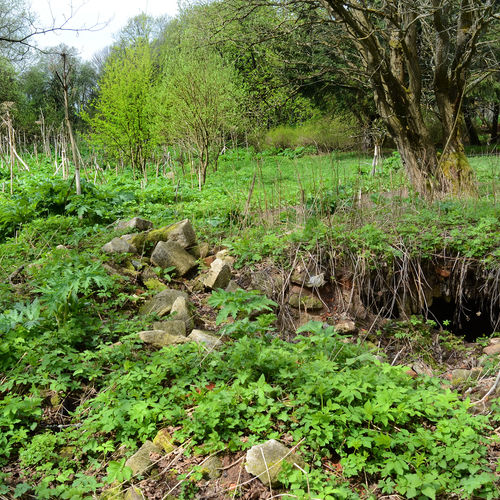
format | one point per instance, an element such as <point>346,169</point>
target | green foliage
<point>239,303</point>
<point>200,103</point>
<point>325,134</point>
<point>67,282</point>
<point>125,116</point>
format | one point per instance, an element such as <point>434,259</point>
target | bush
<point>325,134</point>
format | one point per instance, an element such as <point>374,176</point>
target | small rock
<point>218,276</point>
<point>138,240</point>
<point>133,493</point>
<point>200,251</point>
<point>264,460</point>
<point>492,349</point>
<point>135,223</point>
<point>224,256</point>
<point>180,311</point>
<point>302,274</point>
<point>137,264</point>
<point>232,286</point>
<point>118,245</point>
<point>161,338</point>
<point>171,254</point>
<point>148,274</point>
<point>61,247</point>
<point>208,260</point>
<point>181,233</point>
<point>316,281</point>
<point>459,375</point>
<point>164,440</point>
<point>140,462</point>
<point>211,468</point>
<point>494,340</point>
<point>162,303</point>
<point>206,338</point>
<point>345,326</point>
<point>301,298</point>
<point>422,369</point>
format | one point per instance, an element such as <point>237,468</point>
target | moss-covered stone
<point>155,284</point>
<point>164,440</point>
<point>140,462</point>
<point>181,232</point>
<point>211,468</point>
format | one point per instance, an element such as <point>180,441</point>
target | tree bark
<point>471,129</point>
<point>494,123</point>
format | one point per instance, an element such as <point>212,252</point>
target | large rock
<point>300,298</point>
<point>171,254</point>
<point>162,303</point>
<point>265,460</point>
<point>135,223</point>
<point>218,276</point>
<point>173,327</point>
<point>181,232</point>
<point>118,245</point>
<point>161,338</point>
<point>199,336</point>
<point>140,462</point>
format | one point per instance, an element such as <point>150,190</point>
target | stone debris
<point>171,254</point>
<point>140,462</point>
<point>162,303</point>
<point>265,460</point>
<point>118,245</point>
<point>218,276</point>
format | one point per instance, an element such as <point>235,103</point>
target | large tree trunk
<point>454,171</point>
<point>494,123</point>
<point>471,129</point>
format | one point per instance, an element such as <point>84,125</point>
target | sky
<point>112,15</point>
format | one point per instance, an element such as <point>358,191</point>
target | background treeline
<point>207,79</point>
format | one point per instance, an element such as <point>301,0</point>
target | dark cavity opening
<point>471,322</point>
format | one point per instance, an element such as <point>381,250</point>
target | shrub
<point>325,134</point>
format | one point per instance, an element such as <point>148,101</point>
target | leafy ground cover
<point>80,392</point>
